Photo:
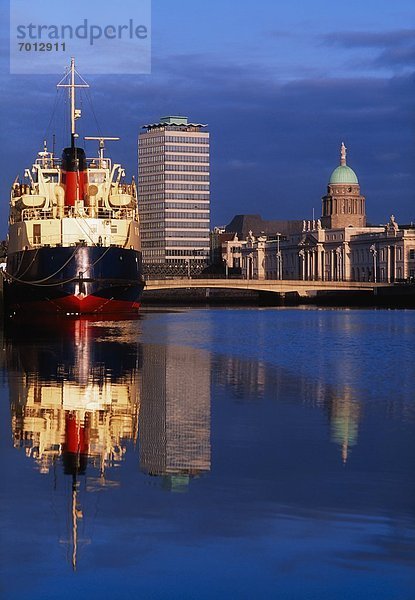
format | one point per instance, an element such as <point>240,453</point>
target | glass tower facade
<point>174,195</point>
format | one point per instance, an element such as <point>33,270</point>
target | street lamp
<point>374,254</point>
<point>249,269</point>
<point>339,255</point>
<point>226,267</point>
<point>301,254</point>
<point>279,258</point>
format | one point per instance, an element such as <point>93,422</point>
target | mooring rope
<point>41,282</point>
<point>29,265</point>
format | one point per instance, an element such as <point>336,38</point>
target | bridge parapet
<point>302,288</point>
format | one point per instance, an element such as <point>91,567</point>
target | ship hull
<point>73,280</point>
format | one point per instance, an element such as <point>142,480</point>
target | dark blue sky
<point>280,85</point>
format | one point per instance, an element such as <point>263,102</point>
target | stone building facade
<point>337,247</point>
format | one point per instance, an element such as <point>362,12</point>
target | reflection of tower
<point>174,428</point>
<point>247,378</point>
<point>74,397</point>
<point>344,421</point>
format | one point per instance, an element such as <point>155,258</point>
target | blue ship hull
<point>73,280</point>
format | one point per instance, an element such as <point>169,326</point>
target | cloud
<point>397,57</point>
<point>274,143</point>
<point>370,39</point>
<point>393,49</point>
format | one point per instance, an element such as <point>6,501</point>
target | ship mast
<point>75,112</point>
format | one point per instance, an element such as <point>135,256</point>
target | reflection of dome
<point>343,174</point>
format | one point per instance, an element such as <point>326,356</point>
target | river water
<point>210,453</point>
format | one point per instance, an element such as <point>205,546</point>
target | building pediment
<point>308,240</point>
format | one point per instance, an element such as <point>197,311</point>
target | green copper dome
<point>343,174</point>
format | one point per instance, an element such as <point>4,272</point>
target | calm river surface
<point>210,453</point>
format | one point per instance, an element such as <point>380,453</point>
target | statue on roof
<point>343,153</point>
<point>393,225</point>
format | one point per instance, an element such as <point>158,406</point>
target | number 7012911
<point>41,46</point>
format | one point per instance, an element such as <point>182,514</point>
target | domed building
<point>343,205</point>
<point>339,246</point>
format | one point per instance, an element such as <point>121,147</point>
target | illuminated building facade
<point>339,246</point>
<point>174,194</point>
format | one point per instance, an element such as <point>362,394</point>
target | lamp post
<point>301,254</point>
<point>279,258</point>
<point>339,256</point>
<point>249,273</point>
<point>225,260</point>
<point>374,254</point>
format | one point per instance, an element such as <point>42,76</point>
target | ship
<point>73,236</point>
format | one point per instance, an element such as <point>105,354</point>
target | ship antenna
<point>75,112</point>
<point>101,148</point>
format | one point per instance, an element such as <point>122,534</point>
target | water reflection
<point>80,393</point>
<point>74,396</point>
<point>111,415</point>
<point>174,430</point>
<point>252,380</point>
<point>344,414</point>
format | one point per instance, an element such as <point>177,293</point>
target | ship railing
<point>99,163</point>
<point>48,162</point>
<point>36,214</point>
<point>99,213</point>
<point>117,213</point>
<point>39,241</point>
<point>124,188</point>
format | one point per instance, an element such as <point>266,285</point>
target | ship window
<point>51,177</point>
<point>114,229</point>
<point>36,234</point>
<point>96,177</point>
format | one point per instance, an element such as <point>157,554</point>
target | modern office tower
<point>174,201</point>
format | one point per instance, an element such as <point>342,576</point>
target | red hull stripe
<point>75,305</point>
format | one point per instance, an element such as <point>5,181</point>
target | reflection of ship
<point>77,400</point>
<point>174,432</point>
<point>74,244</point>
<point>77,375</point>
